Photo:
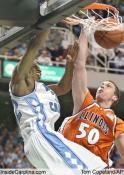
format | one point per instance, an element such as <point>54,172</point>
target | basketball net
<point>91,20</point>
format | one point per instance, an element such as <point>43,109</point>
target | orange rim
<point>98,6</point>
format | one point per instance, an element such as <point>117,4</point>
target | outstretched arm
<point>120,145</point>
<point>79,81</point>
<point>65,83</point>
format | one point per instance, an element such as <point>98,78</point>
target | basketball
<point>109,39</point>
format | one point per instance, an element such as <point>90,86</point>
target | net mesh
<point>99,19</point>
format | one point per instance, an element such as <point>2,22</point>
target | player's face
<point>36,72</point>
<point>106,92</point>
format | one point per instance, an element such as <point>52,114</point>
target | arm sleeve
<point>87,101</point>
<point>119,127</point>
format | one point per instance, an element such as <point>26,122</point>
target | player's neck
<point>104,104</point>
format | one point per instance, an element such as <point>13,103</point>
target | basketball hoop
<point>92,18</point>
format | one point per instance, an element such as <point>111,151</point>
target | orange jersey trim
<point>119,127</point>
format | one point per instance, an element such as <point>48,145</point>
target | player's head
<point>35,71</point>
<point>108,92</point>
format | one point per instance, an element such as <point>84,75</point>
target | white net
<point>91,20</point>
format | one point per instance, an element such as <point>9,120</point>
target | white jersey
<point>36,114</point>
<point>26,107</point>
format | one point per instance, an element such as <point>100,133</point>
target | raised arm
<point>65,83</point>
<point>79,81</point>
<point>26,62</point>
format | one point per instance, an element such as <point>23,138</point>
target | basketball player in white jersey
<point>36,108</point>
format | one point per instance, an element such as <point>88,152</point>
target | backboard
<point>55,11</point>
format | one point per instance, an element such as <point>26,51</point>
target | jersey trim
<point>63,150</point>
<point>64,123</point>
<point>115,121</point>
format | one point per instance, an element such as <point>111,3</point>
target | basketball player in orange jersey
<point>93,124</point>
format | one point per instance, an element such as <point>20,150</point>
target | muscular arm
<point>26,62</point>
<point>65,83</point>
<point>79,81</point>
<point>120,145</point>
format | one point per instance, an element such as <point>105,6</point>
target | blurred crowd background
<point>11,149</point>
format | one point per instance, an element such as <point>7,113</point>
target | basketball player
<point>36,108</point>
<point>93,124</point>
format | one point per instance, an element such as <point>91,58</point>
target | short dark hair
<point>117,91</point>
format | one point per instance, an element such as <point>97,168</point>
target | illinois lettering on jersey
<point>94,127</point>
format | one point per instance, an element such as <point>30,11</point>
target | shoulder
<point>120,121</point>
<point>119,127</point>
<point>88,100</point>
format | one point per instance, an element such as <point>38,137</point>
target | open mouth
<point>100,91</point>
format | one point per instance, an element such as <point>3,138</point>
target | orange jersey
<point>94,127</point>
